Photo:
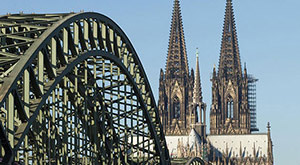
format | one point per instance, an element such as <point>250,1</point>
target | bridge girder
<point>195,161</point>
<point>73,90</point>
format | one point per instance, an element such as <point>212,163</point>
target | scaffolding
<point>252,101</point>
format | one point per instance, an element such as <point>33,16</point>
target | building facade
<point>230,113</point>
<point>232,139</point>
<point>180,97</point>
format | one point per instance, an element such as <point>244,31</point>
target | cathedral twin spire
<point>230,113</point>
<point>180,98</point>
<point>177,63</point>
<point>177,53</point>
<point>177,56</point>
<point>229,61</point>
<point>180,93</point>
<point>180,101</point>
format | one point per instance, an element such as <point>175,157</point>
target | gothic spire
<point>229,62</point>
<point>270,145</point>
<point>177,63</point>
<point>197,94</point>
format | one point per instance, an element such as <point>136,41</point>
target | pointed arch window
<point>176,107</point>
<point>230,107</point>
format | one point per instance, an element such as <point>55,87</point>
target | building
<point>180,98</point>
<point>232,139</point>
<point>230,113</point>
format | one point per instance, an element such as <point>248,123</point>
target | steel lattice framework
<point>73,91</point>
<point>195,161</point>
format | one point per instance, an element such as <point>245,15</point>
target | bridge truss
<point>73,91</point>
<point>196,161</point>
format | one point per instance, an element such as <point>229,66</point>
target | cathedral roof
<point>177,63</point>
<point>247,145</point>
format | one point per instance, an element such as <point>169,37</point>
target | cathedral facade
<point>232,139</point>
<point>180,96</point>
<point>230,113</point>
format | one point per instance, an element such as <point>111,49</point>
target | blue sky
<point>269,40</point>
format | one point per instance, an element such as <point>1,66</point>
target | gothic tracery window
<point>176,105</point>
<point>230,107</point>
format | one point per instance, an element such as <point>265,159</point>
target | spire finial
<point>241,150</point>
<point>270,144</point>
<point>214,71</point>
<point>227,149</point>
<point>245,69</point>
<point>254,150</point>
<point>197,52</point>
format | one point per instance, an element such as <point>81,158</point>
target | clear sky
<point>269,40</point>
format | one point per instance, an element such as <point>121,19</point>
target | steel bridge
<point>73,91</point>
<point>195,161</point>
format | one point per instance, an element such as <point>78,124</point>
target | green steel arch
<point>73,91</point>
<point>195,161</point>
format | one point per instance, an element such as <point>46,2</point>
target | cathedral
<point>232,138</point>
<point>180,93</point>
